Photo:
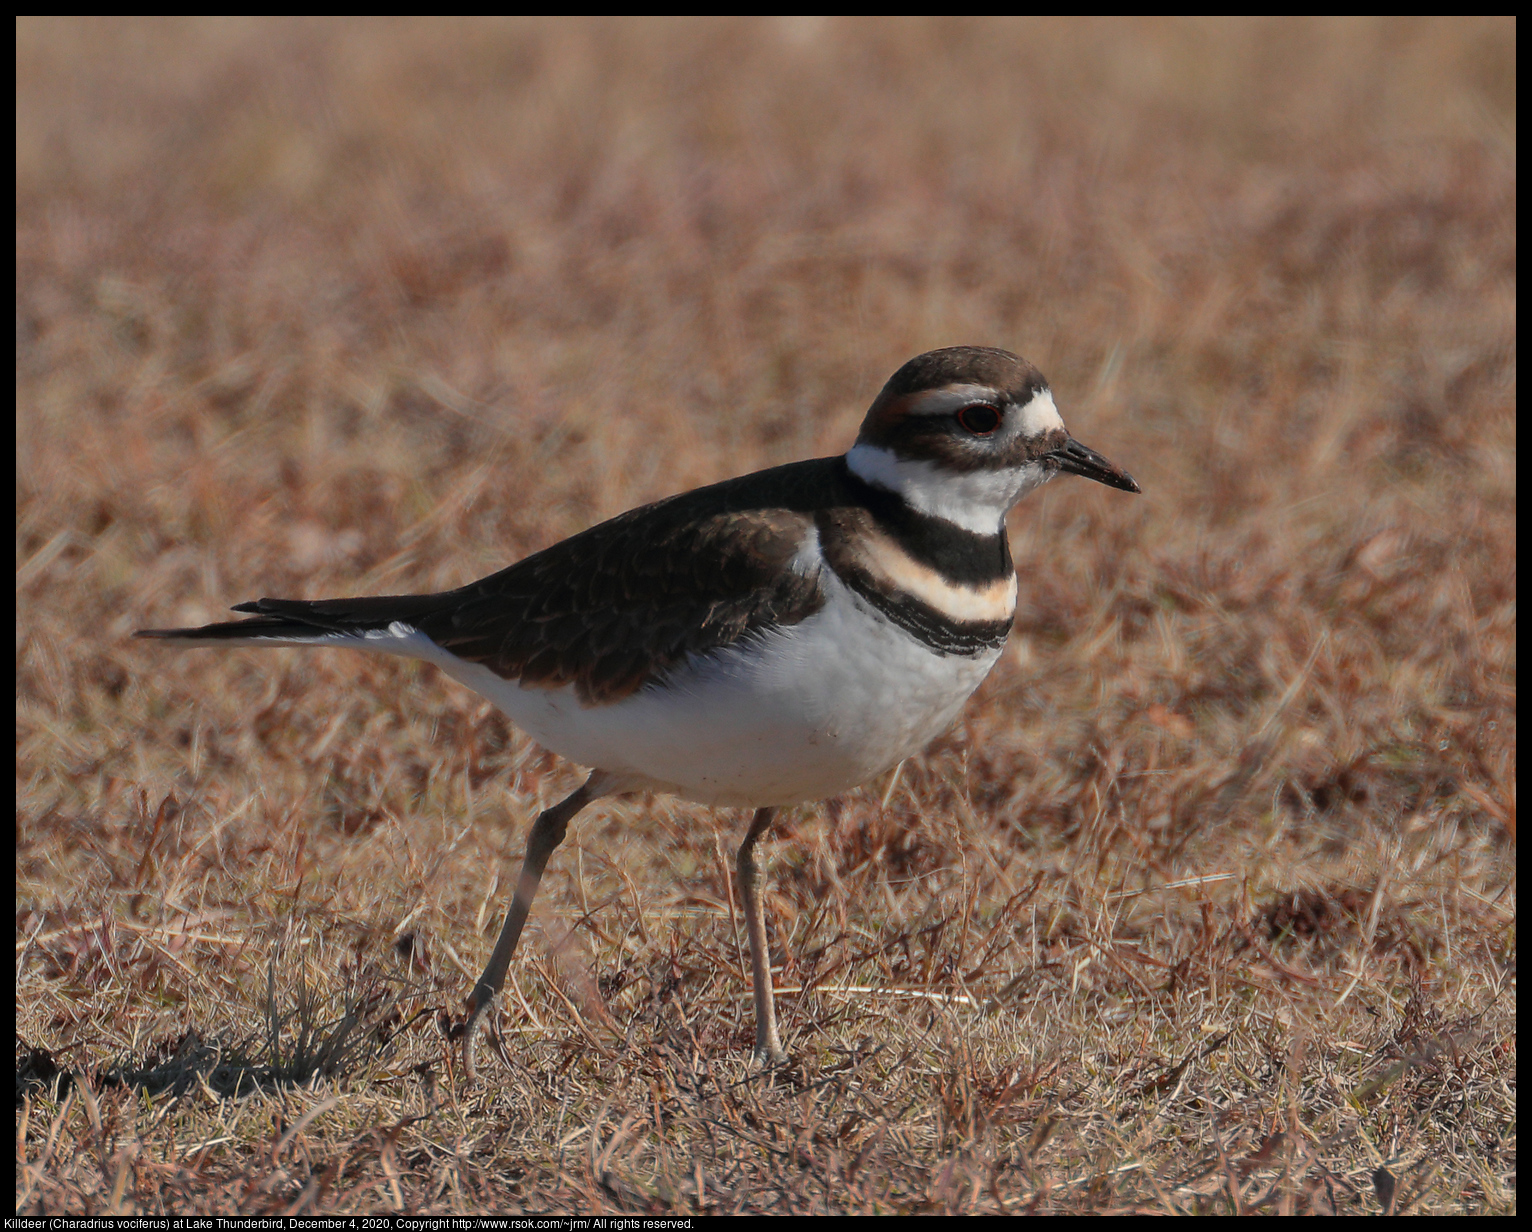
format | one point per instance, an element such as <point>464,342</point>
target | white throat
<point>977,501</point>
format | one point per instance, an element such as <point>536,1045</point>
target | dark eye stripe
<point>981,419</point>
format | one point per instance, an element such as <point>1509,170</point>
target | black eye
<point>981,419</point>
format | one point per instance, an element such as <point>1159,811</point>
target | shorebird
<point>765,641</point>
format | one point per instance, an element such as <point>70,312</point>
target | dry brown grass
<point>1208,904</point>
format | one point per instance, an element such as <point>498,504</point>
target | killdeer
<point>768,640</point>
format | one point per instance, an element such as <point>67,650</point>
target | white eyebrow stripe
<point>951,398</point>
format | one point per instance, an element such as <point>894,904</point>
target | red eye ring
<point>981,419</point>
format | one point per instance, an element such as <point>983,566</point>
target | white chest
<point>799,714</point>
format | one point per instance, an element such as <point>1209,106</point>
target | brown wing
<point>616,606</point>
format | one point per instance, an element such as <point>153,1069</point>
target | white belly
<point>800,714</point>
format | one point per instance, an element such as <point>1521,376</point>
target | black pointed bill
<point>1077,459</point>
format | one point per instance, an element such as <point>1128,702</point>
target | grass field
<point>1207,904</point>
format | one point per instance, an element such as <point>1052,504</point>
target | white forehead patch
<point>1040,415</point>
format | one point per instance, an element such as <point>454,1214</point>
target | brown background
<point>1207,903</point>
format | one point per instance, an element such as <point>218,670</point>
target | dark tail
<point>301,621</point>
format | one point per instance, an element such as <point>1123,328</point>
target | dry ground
<point>1207,904</point>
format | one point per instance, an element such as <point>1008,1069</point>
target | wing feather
<point>615,607</point>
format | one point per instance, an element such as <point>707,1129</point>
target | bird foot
<point>467,1031</point>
